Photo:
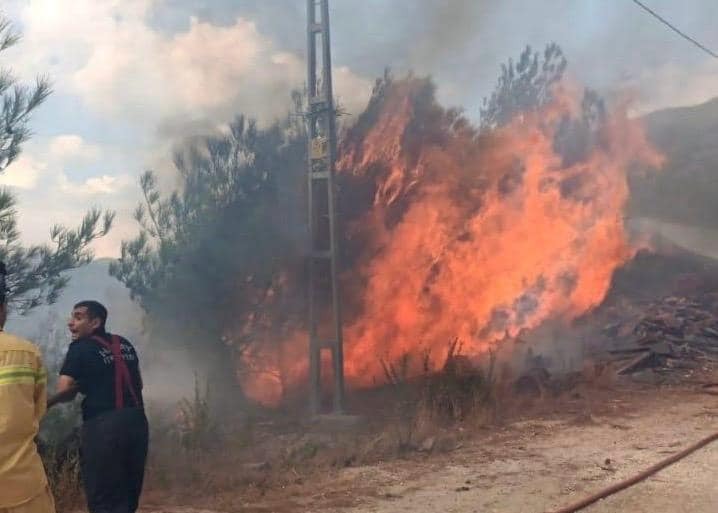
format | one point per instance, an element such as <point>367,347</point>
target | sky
<point>131,78</point>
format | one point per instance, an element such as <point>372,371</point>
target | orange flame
<point>475,236</point>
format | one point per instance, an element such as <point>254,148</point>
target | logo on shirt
<point>128,354</point>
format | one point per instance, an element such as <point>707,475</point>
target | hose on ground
<point>638,477</point>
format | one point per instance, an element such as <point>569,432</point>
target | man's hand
<point>66,391</point>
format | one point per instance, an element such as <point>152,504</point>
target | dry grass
<point>275,455</point>
<point>62,465</point>
<point>459,393</point>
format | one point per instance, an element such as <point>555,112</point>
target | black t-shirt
<point>92,366</point>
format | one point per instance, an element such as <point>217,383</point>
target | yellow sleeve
<point>40,390</point>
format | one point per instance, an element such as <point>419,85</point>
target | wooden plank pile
<point>671,335</point>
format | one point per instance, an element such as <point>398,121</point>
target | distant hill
<point>686,190</point>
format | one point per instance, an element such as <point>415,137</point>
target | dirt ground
<point>535,464</point>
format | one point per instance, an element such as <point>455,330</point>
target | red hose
<point>638,477</point>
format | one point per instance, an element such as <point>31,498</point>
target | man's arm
<point>66,391</point>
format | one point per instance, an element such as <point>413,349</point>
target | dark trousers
<point>112,454</point>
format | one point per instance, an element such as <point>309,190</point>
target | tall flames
<point>455,234</point>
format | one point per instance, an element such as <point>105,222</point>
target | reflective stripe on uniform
<point>21,374</point>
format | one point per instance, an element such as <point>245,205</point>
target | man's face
<point>82,324</point>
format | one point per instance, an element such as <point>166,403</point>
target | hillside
<point>685,191</point>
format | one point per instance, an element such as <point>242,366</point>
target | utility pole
<point>325,332</point>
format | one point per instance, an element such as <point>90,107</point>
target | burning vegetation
<point>450,230</point>
<point>456,232</point>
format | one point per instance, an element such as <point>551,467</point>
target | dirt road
<point>533,465</point>
<point>536,466</point>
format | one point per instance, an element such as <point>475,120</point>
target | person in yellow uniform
<point>23,400</point>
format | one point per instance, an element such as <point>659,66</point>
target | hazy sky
<point>131,76</point>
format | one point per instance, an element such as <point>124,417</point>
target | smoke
<point>446,28</point>
<point>610,46</point>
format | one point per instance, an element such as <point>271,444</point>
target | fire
<point>460,234</point>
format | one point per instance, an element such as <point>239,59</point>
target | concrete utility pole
<point>322,141</point>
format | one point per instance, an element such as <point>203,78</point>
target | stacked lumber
<point>668,335</point>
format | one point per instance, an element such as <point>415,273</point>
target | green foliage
<point>35,273</point>
<point>209,254</point>
<point>529,84</point>
<point>523,86</point>
<point>18,101</point>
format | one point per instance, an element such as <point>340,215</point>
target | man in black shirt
<point>105,369</point>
